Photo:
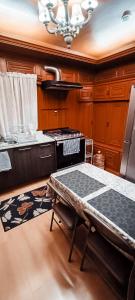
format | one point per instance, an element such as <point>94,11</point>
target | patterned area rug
<point>22,208</point>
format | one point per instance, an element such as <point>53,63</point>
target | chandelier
<point>61,18</point>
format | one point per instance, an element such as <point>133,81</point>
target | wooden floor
<point>33,263</point>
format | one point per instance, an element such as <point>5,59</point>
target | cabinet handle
<point>25,149</point>
<point>55,111</point>
<point>46,156</point>
<point>107,124</point>
<point>46,145</point>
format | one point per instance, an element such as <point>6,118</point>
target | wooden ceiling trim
<point>44,49</point>
<point>118,55</point>
<point>53,51</point>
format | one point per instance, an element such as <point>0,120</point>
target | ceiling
<point>104,35</point>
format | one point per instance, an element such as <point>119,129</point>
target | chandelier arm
<point>87,19</point>
<point>51,16</point>
<point>65,2</point>
<point>51,31</point>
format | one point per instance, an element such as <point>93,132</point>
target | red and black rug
<point>24,207</point>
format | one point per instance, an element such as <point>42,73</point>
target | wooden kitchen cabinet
<point>85,118</point>
<point>8,177</point>
<point>112,91</point>
<point>109,122</point>
<point>108,131</point>
<point>34,161</point>
<point>86,94</point>
<point>44,159</point>
<point>54,99</point>
<point>28,163</point>
<point>101,92</point>
<point>100,122</point>
<point>53,118</point>
<point>112,158</point>
<point>118,91</point>
<point>116,114</point>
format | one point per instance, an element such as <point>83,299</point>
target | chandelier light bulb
<point>61,14</point>
<point>52,2</point>
<point>89,4</point>
<point>77,15</point>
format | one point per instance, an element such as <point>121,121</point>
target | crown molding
<point>14,42</point>
<point>43,48</point>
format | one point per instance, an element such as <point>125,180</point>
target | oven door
<point>72,159</point>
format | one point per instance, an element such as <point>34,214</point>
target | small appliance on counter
<point>70,146</point>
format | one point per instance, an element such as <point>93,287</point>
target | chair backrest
<point>107,232</point>
<point>61,198</point>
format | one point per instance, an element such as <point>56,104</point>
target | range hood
<point>58,84</point>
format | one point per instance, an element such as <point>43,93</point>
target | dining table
<point>110,197</point>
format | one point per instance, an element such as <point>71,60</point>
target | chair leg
<point>131,285</point>
<point>73,239</point>
<point>52,221</point>
<point>83,258</point>
<point>85,249</point>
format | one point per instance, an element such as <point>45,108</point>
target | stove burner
<point>63,133</point>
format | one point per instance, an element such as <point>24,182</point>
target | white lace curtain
<point>18,101</point>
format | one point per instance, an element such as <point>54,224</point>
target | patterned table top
<point>110,197</point>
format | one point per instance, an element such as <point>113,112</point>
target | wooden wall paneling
<point>3,65</point>
<point>112,158</point>
<point>109,122</point>
<point>129,70</point>
<point>20,66</point>
<point>40,107</point>
<point>85,118</point>
<point>125,70</point>
<point>85,76</point>
<point>101,92</point>
<point>53,118</point>
<point>73,109</point>
<point>85,94</point>
<point>118,91</point>
<point>67,75</point>
<point>99,122</point>
<point>112,161</point>
<point>48,119</point>
<point>54,99</point>
<point>105,74</point>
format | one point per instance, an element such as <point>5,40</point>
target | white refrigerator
<point>127,169</point>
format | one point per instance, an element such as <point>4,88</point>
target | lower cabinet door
<point>112,159</point>
<point>7,178</point>
<point>24,164</point>
<point>34,162</point>
<point>44,160</point>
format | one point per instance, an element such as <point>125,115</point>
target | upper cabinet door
<point>119,91</point>
<point>101,92</point>
<point>112,91</point>
<point>86,94</point>
<point>68,76</point>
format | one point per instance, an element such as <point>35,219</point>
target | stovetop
<point>65,133</point>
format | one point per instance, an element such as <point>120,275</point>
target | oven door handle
<point>61,142</point>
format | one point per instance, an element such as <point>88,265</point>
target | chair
<point>111,253</point>
<point>67,215</point>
